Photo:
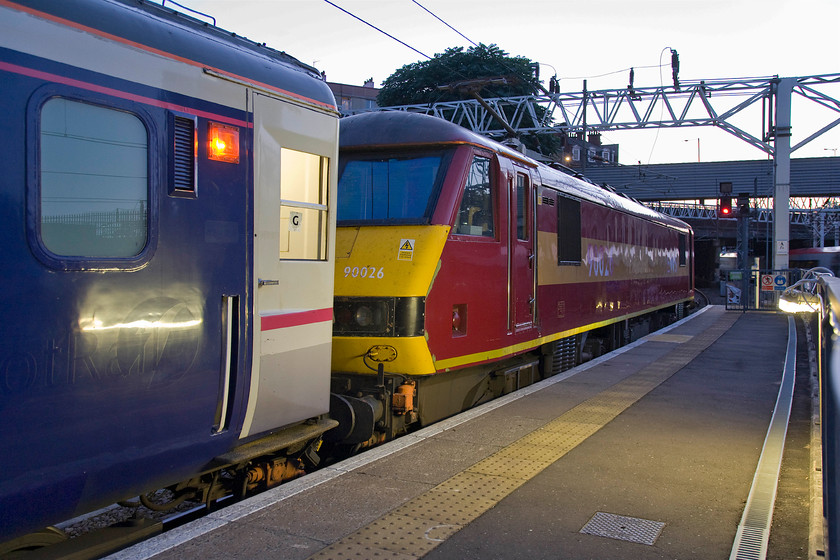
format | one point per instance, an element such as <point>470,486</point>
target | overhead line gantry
<point>715,103</point>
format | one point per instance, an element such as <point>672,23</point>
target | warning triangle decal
<point>406,246</point>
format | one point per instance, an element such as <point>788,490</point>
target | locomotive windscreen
<point>399,189</point>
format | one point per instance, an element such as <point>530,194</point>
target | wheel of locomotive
<point>21,546</point>
<point>163,500</point>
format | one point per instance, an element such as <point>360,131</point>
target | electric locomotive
<point>810,257</point>
<point>465,270</point>
<point>166,254</point>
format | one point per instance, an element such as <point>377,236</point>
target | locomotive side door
<point>522,264</point>
<point>295,153</point>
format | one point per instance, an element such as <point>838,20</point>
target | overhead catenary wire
<point>458,32</point>
<point>424,55</point>
<point>395,38</point>
<point>613,72</point>
<point>333,4</point>
<point>661,105</point>
<point>444,23</point>
<point>403,43</point>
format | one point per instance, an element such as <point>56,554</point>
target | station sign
<point>773,282</point>
<point>766,282</point>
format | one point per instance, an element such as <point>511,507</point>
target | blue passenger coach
<point>166,255</point>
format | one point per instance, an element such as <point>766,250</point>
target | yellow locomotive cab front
<point>383,275</point>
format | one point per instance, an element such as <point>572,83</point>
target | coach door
<point>294,155</point>
<point>522,257</point>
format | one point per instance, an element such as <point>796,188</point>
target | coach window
<point>568,231</point>
<point>475,217</point>
<point>93,180</point>
<point>303,205</point>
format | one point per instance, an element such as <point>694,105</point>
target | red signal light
<point>725,205</point>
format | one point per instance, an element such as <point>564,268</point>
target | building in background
<point>351,98</point>
<point>576,147</point>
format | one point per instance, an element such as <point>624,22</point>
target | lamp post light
<point>698,146</point>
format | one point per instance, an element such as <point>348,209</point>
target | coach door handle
<point>262,282</point>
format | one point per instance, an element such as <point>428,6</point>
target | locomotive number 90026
<point>370,272</point>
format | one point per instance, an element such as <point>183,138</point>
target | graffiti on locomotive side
<point>600,260</point>
<point>605,261</point>
<point>156,342</point>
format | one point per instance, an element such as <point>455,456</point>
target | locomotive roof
<point>177,35</point>
<point>379,130</point>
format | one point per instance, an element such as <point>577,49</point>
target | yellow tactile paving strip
<point>421,524</point>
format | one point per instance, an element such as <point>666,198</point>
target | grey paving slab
<point>246,542</point>
<point>429,462</point>
<point>337,507</point>
<point>312,518</point>
<point>683,455</point>
<point>544,406</point>
<point>497,428</point>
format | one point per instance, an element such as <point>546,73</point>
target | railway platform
<point>668,448</point>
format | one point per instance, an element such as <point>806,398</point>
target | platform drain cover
<point>623,528</point>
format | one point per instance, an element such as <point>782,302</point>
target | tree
<point>418,82</point>
<point>453,75</point>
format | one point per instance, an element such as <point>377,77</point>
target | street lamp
<point>698,146</point>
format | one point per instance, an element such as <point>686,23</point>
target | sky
<point>596,41</point>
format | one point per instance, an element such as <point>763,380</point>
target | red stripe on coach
<point>285,320</point>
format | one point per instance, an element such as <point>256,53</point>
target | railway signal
<point>725,207</point>
<point>744,204</point>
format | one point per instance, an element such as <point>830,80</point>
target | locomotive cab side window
<point>476,216</point>
<point>568,231</point>
<point>521,207</point>
<point>683,250</point>
<point>94,184</point>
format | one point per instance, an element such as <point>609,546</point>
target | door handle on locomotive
<point>262,282</point>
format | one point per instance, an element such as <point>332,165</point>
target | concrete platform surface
<point>649,452</point>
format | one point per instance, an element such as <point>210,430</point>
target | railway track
<point>103,532</point>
